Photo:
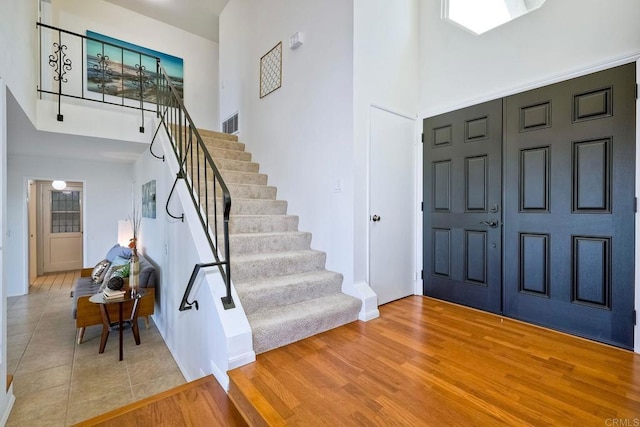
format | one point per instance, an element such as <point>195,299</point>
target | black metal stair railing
<point>208,190</point>
<point>143,85</point>
<point>76,66</point>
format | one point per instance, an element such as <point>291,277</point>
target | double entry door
<point>529,206</point>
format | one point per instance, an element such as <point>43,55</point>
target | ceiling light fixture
<point>59,185</point>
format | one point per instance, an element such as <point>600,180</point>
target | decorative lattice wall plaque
<point>271,70</point>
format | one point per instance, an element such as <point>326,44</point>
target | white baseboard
<point>369,309</point>
<point>9,407</point>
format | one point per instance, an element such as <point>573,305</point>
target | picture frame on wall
<point>271,70</point>
<point>149,199</point>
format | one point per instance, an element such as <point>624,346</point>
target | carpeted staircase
<point>282,283</point>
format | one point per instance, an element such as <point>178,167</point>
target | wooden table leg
<point>134,321</point>
<point>120,326</point>
<point>105,327</point>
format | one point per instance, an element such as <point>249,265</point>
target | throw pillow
<point>97,275</point>
<point>118,251</point>
<point>120,261</point>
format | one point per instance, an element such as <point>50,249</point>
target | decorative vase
<point>134,273</point>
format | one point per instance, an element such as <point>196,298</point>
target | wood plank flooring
<point>54,281</point>
<point>199,403</point>
<point>427,362</point>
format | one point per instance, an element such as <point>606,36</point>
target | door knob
<point>493,223</point>
<point>375,218</point>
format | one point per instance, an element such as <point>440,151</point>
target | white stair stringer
<point>285,290</point>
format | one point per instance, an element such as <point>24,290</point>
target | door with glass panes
<point>61,213</point>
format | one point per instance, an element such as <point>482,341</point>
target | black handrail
<point>203,179</point>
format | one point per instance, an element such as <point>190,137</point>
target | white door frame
<point>25,221</point>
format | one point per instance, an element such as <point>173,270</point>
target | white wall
<point>458,69</point>
<point>18,38</point>
<point>6,396</point>
<point>385,75</point>
<point>199,54</point>
<point>107,195</point>
<point>208,340</point>
<point>301,134</point>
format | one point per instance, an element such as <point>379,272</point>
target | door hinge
<point>422,274</point>
<point>635,317</point>
<point>422,136</point>
<point>636,90</point>
<point>422,206</point>
<point>635,204</point>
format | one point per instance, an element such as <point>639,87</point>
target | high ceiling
<point>195,16</point>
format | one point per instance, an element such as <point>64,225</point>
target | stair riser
<point>252,206</point>
<point>254,244</point>
<point>270,337</point>
<point>212,143</point>
<point>257,207</point>
<point>237,165</point>
<point>276,266</point>
<point>252,192</point>
<point>261,224</point>
<point>218,135</point>
<point>218,153</point>
<point>256,302</point>
<point>233,177</point>
<point>241,191</point>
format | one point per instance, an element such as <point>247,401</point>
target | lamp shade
<point>59,185</point>
<point>125,232</point>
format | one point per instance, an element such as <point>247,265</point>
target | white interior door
<point>392,206</point>
<point>62,227</point>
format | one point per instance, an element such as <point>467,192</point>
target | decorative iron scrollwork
<point>103,71</point>
<point>59,61</point>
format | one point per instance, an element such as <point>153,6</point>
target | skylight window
<point>480,16</point>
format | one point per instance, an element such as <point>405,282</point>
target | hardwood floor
<point>199,403</point>
<point>427,362</point>
<point>54,281</point>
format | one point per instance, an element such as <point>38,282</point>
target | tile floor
<point>58,382</point>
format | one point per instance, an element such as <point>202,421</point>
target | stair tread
<point>289,279</point>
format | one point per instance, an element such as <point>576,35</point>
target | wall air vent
<point>231,124</point>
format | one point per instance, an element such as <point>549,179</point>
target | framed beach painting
<point>149,199</point>
<point>124,70</point>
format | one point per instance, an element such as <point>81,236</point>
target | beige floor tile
<point>18,339</point>
<point>157,385</point>
<point>36,361</point>
<point>42,407</point>
<point>21,328</point>
<point>30,382</point>
<point>80,410</point>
